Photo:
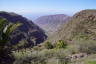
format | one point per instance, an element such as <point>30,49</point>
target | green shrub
<point>48,45</point>
<point>61,44</point>
<point>44,56</point>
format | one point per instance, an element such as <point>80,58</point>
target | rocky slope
<point>28,31</point>
<point>81,26</point>
<point>51,23</point>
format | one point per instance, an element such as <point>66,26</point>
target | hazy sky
<point>46,6</point>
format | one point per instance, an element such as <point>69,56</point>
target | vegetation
<point>45,56</point>
<point>48,45</point>
<point>77,46</point>
<point>91,62</point>
<point>61,44</point>
<point>5,30</point>
<point>59,54</point>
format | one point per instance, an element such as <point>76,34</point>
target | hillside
<point>73,43</point>
<point>51,23</point>
<point>28,33</point>
<point>81,26</point>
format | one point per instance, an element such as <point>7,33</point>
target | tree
<point>6,29</point>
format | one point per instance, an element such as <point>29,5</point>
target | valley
<point>51,39</point>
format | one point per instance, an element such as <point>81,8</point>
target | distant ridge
<point>51,23</point>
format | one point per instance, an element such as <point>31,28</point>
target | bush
<point>61,44</point>
<point>41,57</point>
<point>48,45</point>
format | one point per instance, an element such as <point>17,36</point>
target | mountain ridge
<point>81,24</point>
<point>51,23</point>
<point>28,31</point>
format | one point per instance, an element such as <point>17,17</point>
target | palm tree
<point>6,29</point>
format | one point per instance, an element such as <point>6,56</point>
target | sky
<point>43,7</point>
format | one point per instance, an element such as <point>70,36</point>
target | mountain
<point>28,31</point>
<point>51,23</point>
<point>81,26</point>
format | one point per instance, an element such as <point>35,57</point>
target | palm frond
<point>11,27</point>
<point>6,29</point>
